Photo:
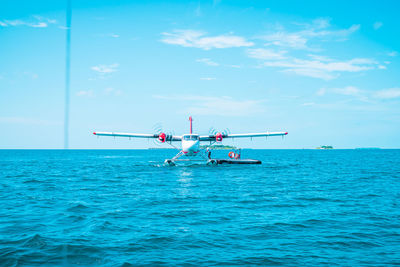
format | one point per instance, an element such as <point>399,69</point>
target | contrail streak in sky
<point>67,74</point>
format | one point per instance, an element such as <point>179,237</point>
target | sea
<point>126,208</point>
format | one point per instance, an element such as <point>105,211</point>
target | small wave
<point>78,208</point>
<point>313,198</point>
<point>32,181</point>
<point>35,241</point>
<point>255,260</point>
<point>156,241</point>
<point>349,244</point>
<point>289,225</point>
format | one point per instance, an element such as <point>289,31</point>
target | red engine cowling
<point>218,137</point>
<point>162,137</point>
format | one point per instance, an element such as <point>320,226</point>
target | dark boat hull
<point>238,161</point>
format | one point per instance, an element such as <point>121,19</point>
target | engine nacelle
<point>218,137</point>
<point>162,137</point>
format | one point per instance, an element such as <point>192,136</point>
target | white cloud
<point>36,22</point>
<point>362,95</point>
<point>208,78</point>
<point>112,35</point>
<point>320,58</point>
<point>300,39</point>
<point>293,40</point>
<point>112,91</point>
<point>392,54</point>
<point>377,25</point>
<point>88,93</point>
<point>321,92</point>
<point>266,54</point>
<point>198,39</point>
<point>104,69</point>
<point>39,25</point>
<point>323,68</point>
<point>31,74</point>
<point>314,73</point>
<point>207,61</point>
<point>218,106</point>
<point>348,90</point>
<point>197,11</point>
<point>308,104</point>
<point>388,93</point>
<point>311,65</point>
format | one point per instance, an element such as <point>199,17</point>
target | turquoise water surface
<point>123,208</point>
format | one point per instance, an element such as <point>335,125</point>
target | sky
<point>327,72</point>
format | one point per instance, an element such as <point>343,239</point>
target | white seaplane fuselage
<point>190,144</point>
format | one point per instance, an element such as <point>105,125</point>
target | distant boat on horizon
<point>325,147</point>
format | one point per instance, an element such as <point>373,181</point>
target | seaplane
<point>190,144</point>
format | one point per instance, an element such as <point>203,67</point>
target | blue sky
<point>326,72</point>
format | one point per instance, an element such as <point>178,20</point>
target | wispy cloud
<point>210,62</point>
<point>348,90</point>
<point>105,69</point>
<point>207,61</point>
<point>109,91</point>
<point>300,39</point>
<point>87,93</point>
<point>112,35</point>
<point>31,75</point>
<point>353,91</point>
<point>391,93</point>
<point>392,54</point>
<point>218,106</point>
<point>322,68</point>
<point>362,95</point>
<point>35,22</point>
<point>281,45</point>
<point>112,91</point>
<point>199,39</point>
<point>266,54</point>
<point>208,78</point>
<point>377,25</point>
<point>308,104</point>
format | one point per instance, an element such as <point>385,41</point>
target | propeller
<point>163,136</point>
<point>219,135</point>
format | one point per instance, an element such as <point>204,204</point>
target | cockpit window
<point>190,137</point>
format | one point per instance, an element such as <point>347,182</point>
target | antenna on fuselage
<point>191,128</point>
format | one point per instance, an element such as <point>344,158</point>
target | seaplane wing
<point>162,136</point>
<point>219,136</point>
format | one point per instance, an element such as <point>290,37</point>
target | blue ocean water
<point>123,208</point>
